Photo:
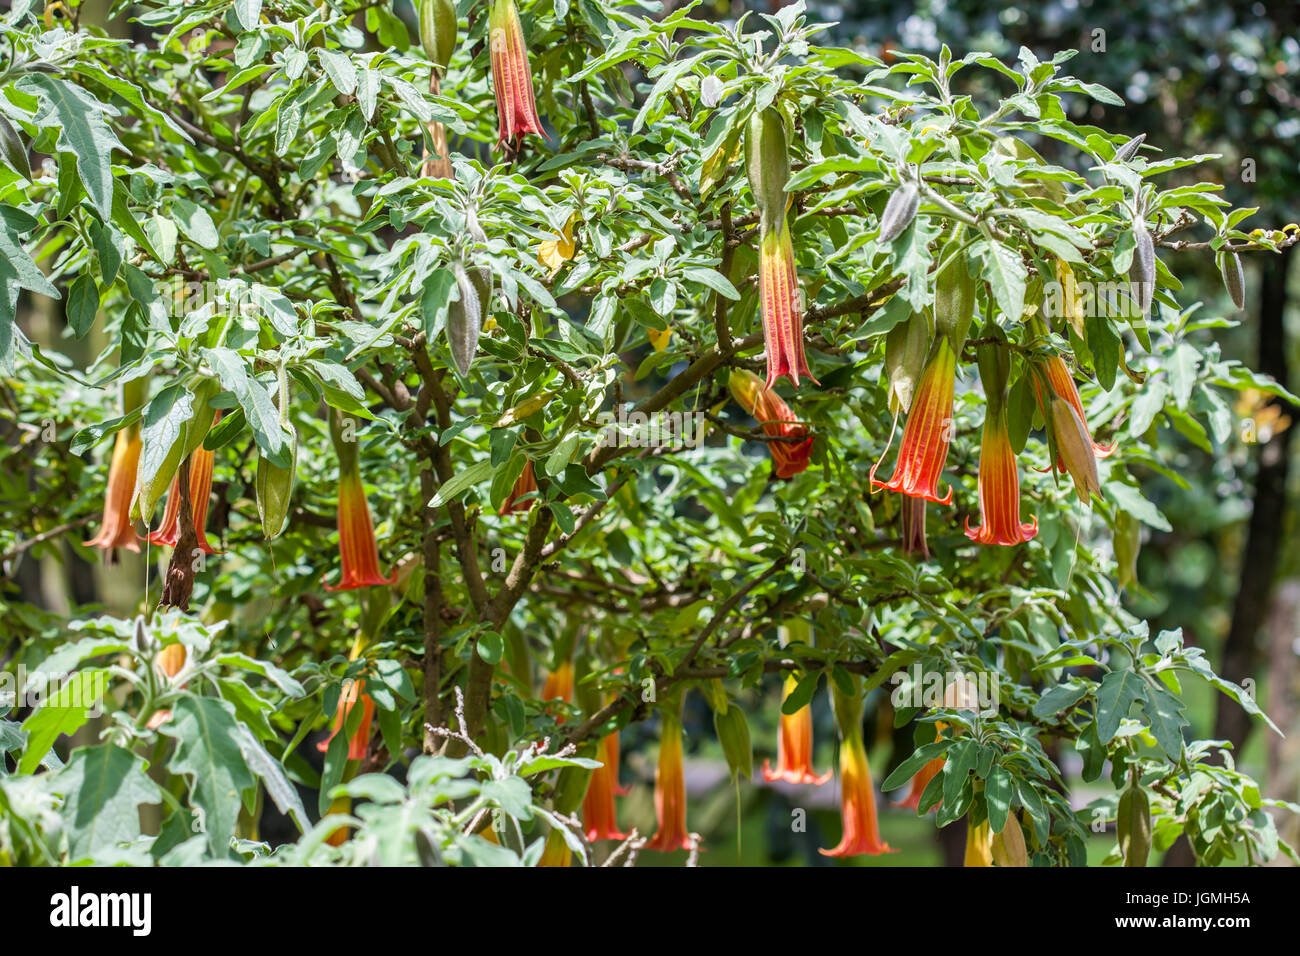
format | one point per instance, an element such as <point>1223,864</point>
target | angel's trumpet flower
<point>358,550</point>
<point>360,740</point>
<point>599,814</point>
<point>794,746</point>
<point>524,484</point>
<point>116,530</point>
<point>559,683</point>
<point>512,77</point>
<point>778,421</point>
<point>928,431</point>
<point>912,519</point>
<point>169,532</point>
<point>1062,384</point>
<point>767,162</point>
<point>858,795</point>
<point>999,481</point>
<point>670,785</point>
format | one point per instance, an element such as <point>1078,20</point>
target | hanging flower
<point>612,758</point>
<point>512,77</point>
<point>999,486</point>
<point>858,795</point>
<point>1074,450</point>
<point>912,519</point>
<point>928,431</point>
<point>1061,382</point>
<point>524,484</point>
<point>794,746</point>
<point>599,814</point>
<point>670,785</point>
<point>777,420</point>
<point>168,533</point>
<point>168,664</point>
<point>782,315</point>
<point>358,551</point>
<point>360,740</point>
<point>116,530</point>
<point>559,683</point>
<point>979,844</point>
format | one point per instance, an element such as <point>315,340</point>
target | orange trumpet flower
<point>778,421</point>
<point>358,550</point>
<point>360,740</point>
<point>999,486</point>
<point>525,483</point>
<point>670,786</point>
<point>512,77</point>
<point>116,530</point>
<point>1063,386</point>
<point>928,431</point>
<point>782,314</point>
<point>794,746</point>
<point>169,532</point>
<point>858,795</point>
<point>599,814</point>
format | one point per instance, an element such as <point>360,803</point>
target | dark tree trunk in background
<point>1241,652</point>
<point>1259,564</point>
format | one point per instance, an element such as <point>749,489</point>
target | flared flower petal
<point>512,77</point>
<point>794,746</point>
<point>524,484</point>
<point>670,789</point>
<point>999,487</point>
<point>358,550</point>
<point>789,458</point>
<point>116,529</point>
<point>360,740</point>
<point>782,315</point>
<point>599,814</point>
<point>928,431</point>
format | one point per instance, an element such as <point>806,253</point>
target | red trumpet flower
<point>778,421</point>
<point>525,483</point>
<point>358,551</point>
<point>794,746</point>
<point>512,77</point>
<point>670,787</point>
<point>559,683</point>
<point>782,314</point>
<point>116,530</point>
<point>928,430</point>
<point>858,795</point>
<point>169,532</point>
<point>1062,384</point>
<point>999,486</point>
<point>360,740</point>
<point>599,815</point>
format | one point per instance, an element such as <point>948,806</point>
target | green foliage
<point>237,216</point>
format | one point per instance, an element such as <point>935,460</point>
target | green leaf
<point>1166,716</point>
<point>1006,275</point>
<point>253,397</point>
<point>1116,695</point>
<point>460,482</point>
<point>208,752</point>
<point>1058,698</point>
<point>999,789</point>
<point>196,222</point>
<point>103,788</point>
<point>79,119</point>
<point>83,304</point>
<point>63,712</point>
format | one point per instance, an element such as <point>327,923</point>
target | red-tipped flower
<point>357,548</point>
<point>358,551</point>
<point>782,315</point>
<point>670,787</point>
<point>524,484</point>
<point>778,421</point>
<point>1062,384</point>
<point>201,461</point>
<point>512,77</point>
<point>928,431</point>
<point>599,815</point>
<point>858,795</point>
<point>999,486</point>
<point>794,746</point>
<point>116,530</point>
<point>360,740</point>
